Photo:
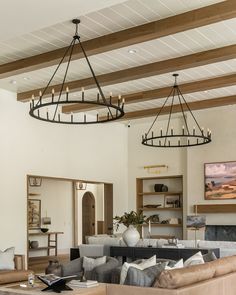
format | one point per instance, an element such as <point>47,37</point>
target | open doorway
<point>88,215</point>
<point>57,211</point>
<point>93,211</point>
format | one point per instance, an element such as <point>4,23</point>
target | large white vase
<point>131,236</point>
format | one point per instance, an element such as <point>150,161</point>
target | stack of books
<point>87,284</point>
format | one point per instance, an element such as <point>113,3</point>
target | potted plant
<point>132,220</point>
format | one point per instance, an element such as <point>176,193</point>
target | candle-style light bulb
<point>67,89</point>
<point>82,89</point>
<point>171,130</point>
<point>40,93</point>
<point>53,91</point>
<point>161,131</point>
<point>183,129</point>
<point>194,130</point>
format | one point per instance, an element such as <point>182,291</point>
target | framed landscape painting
<point>220,180</point>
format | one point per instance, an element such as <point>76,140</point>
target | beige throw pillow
<point>7,259</point>
<point>90,263</point>
<point>178,264</point>
<point>143,265</point>
<point>194,260</point>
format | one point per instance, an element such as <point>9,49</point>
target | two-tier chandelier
<point>49,108</point>
<point>170,137</point>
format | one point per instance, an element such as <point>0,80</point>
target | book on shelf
<point>51,279</point>
<point>86,284</point>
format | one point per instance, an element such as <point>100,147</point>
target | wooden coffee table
<point>17,289</point>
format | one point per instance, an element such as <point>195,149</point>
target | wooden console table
<point>167,253</point>
<point>51,244</point>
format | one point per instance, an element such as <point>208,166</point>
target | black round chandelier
<point>49,108</point>
<point>168,137</point>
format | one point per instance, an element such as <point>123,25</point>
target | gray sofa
<point>101,273</point>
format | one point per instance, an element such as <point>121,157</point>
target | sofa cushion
<point>90,263</point>
<point>12,276</point>
<point>144,278</point>
<point>177,278</point>
<point>73,267</point>
<point>144,264</point>
<point>7,259</point>
<point>210,256</point>
<point>175,264</point>
<point>224,265</point>
<point>195,259</point>
<point>105,240</point>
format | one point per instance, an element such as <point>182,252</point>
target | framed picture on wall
<point>34,213</point>
<point>172,201</point>
<point>220,180</point>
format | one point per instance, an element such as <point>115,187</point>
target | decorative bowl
<point>44,229</point>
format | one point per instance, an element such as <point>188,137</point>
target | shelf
<point>161,209</point>
<point>33,194</point>
<point>45,234</point>
<point>162,177</point>
<point>160,193</point>
<point>163,225</point>
<point>215,208</point>
<point>41,248</point>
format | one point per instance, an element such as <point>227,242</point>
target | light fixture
<point>35,181</point>
<point>170,137</point>
<point>48,108</point>
<point>132,51</point>
<point>81,186</point>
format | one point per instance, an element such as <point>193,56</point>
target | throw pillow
<point>7,259</point>
<point>175,265</point>
<point>144,278</point>
<point>144,264</point>
<point>194,260</point>
<point>90,263</point>
<point>209,257</point>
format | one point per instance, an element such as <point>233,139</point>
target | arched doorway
<point>88,215</point>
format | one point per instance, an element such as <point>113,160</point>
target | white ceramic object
<point>131,236</point>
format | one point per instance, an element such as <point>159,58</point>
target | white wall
<point>188,162</point>
<point>29,146</point>
<point>56,202</point>
<point>140,156</point>
<point>222,122</point>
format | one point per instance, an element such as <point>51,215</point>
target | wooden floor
<point>38,264</point>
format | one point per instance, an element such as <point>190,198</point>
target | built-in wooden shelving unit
<point>147,196</point>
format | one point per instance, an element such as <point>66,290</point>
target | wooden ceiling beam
<point>153,30</point>
<point>202,85</point>
<point>144,71</point>
<point>198,105</point>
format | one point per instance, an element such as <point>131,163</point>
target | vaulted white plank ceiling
<point>118,17</point>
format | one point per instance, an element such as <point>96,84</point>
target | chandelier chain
<point>64,78</point>
<point>160,110</point>
<point>95,79</point>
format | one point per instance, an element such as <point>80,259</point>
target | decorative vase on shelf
<point>34,244</point>
<point>131,236</point>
